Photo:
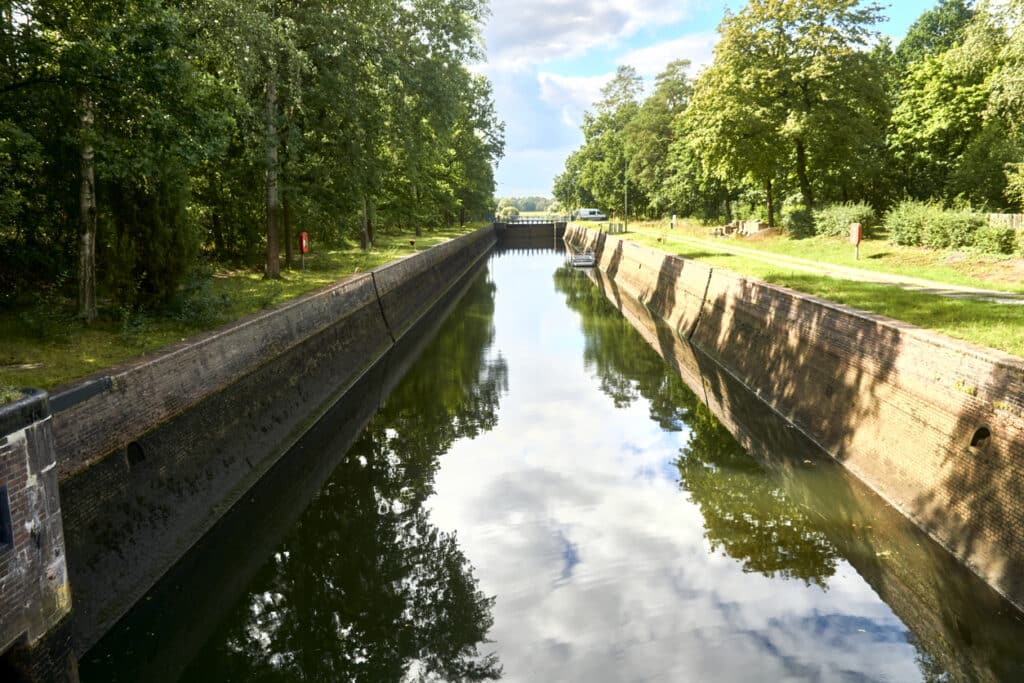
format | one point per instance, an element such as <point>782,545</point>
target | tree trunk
<point>371,221</point>
<point>415,201</point>
<point>289,251</point>
<point>801,173</point>
<point>273,267</point>
<point>364,234</point>
<point>771,203</point>
<point>87,219</point>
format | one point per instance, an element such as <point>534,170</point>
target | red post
<point>856,233</point>
<point>303,247</point>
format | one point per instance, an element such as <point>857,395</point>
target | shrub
<point>797,220</point>
<point>906,221</point>
<point>952,229</point>
<point>925,224</point>
<point>995,239</point>
<point>834,220</point>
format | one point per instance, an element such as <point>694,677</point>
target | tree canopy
<point>139,137</point>
<point>805,104</point>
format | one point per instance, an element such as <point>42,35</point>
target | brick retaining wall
<point>150,464</point>
<point>899,406</point>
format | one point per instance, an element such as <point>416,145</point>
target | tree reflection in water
<point>365,587</point>
<point>747,515</point>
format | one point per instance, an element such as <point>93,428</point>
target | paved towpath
<point>727,246</point>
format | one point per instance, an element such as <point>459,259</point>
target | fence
<point>1007,220</point>
<point>531,220</point>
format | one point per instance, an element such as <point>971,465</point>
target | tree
<point>650,134</point>
<point>943,134</point>
<point>603,155</point>
<point>792,72</point>
<point>934,32</point>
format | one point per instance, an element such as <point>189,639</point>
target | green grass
<point>966,268</point>
<point>43,345</point>
<point>999,326</point>
<point>9,395</point>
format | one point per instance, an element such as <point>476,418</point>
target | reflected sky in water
<point>571,511</point>
<point>541,498</point>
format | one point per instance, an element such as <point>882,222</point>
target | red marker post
<point>855,236</point>
<point>303,247</point>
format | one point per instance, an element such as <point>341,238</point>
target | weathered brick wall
<point>957,622</point>
<point>897,405</point>
<point>34,593</point>
<point>148,466</point>
<point>218,570</point>
<point>529,235</point>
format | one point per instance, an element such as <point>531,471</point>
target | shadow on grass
<point>991,324</point>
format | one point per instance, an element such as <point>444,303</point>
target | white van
<point>590,215</point>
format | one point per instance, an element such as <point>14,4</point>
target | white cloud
<point>573,519</point>
<point>652,60</point>
<point>575,92</point>
<point>525,32</point>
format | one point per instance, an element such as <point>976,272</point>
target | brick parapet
<point>151,462</point>
<point>898,405</point>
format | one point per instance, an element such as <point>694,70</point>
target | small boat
<point>584,259</point>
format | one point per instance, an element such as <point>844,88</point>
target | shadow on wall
<point>897,405</point>
<point>961,628</point>
<point>164,635</point>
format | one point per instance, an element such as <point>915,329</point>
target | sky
<point>548,60</point>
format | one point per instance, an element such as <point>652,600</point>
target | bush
<point>994,239</point>
<point>952,229</point>
<point>906,221</point>
<point>925,224</point>
<point>797,220</point>
<point>834,220</point>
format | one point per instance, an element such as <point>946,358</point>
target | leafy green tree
<point>792,81</point>
<point>941,134</point>
<point>649,135</point>
<point>935,31</point>
<point>603,155</point>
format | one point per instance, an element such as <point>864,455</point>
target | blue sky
<point>548,60</point>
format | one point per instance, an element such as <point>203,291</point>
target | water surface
<point>542,498</point>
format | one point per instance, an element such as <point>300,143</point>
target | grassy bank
<point>43,345</point>
<point>965,268</point>
<point>999,326</point>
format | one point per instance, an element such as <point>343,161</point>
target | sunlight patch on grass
<point>45,346</point>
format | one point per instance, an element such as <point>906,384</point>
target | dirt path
<point>850,273</point>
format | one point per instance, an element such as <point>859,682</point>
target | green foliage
<point>935,31</point>
<point>834,220</point>
<point>907,221</point>
<point>951,229</point>
<point>9,394</point>
<point>527,203</point>
<point>995,239</point>
<point>797,219</point>
<point>927,224</point>
<point>197,104</point>
<point>803,96</point>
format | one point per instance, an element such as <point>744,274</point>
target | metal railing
<point>531,220</point>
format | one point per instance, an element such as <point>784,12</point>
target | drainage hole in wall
<point>981,437</point>
<point>135,454</point>
<point>6,527</point>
